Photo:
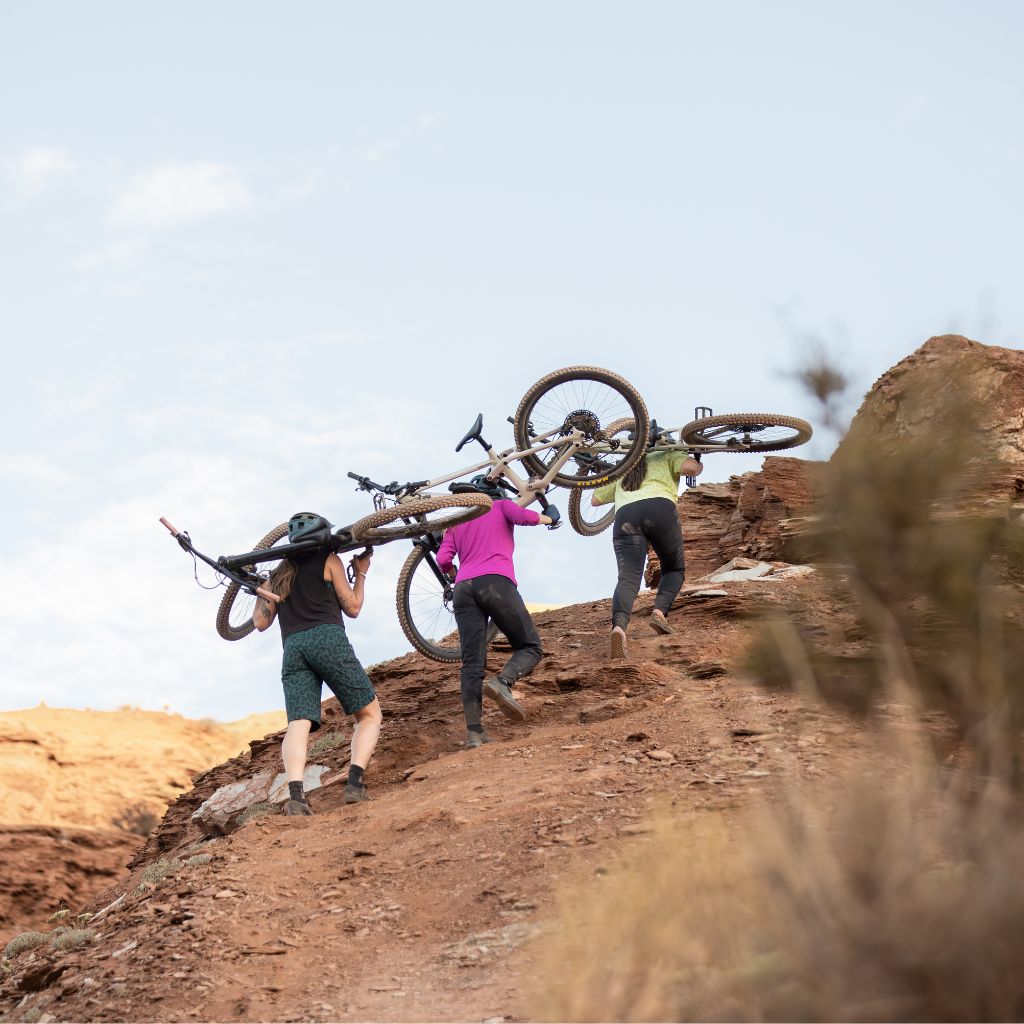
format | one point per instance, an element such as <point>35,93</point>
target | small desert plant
<point>58,915</point>
<point>31,1015</point>
<point>138,819</point>
<point>329,741</point>
<point>254,811</point>
<point>160,869</point>
<point>71,938</point>
<point>26,940</point>
<point>198,859</point>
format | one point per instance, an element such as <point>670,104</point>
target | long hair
<point>636,476</point>
<point>282,578</point>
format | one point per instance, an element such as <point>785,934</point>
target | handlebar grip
<point>268,595</point>
<point>174,530</point>
<point>354,476</point>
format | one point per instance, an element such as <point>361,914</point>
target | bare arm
<point>263,614</point>
<point>349,597</point>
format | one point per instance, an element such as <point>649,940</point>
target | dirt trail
<point>421,904</point>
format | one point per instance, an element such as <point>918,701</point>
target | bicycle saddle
<point>474,432</point>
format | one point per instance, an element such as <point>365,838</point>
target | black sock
<point>355,775</point>
<point>295,791</point>
<point>477,727</point>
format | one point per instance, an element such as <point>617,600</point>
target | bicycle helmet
<point>308,526</point>
<point>485,486</point>
<point>478,484</point>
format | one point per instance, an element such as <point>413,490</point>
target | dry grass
<point>137,819</point>
<point>71,938</point>
<point>329,741</point>
<point>257,810</point>
<point>156,872</point>
<point>885,898</point>
<point>197,860</point>
<point>26,940</point>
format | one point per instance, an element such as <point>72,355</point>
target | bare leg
<point>293,749</point>
<point>365,733</point>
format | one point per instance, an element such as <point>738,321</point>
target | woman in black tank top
<point>313,594</point>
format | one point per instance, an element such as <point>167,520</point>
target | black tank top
<point>311,601</point>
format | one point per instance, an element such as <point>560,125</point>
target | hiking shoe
<point>297,809</point>
<point>501,694</point>
<point>476,739</point>
<point>355,794</point>
<point>659,623</point>
<point>618,643</point>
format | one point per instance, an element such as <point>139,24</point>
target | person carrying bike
<point>312,591</point>
<point>645,513</point>
<point>486,589</point>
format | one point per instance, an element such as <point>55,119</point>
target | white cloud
<point>36,168</point>
<point>20,469</point>
<point>118,253</point>
<point>374,154</point>
<point>429,121</point>
<point>176,193</point>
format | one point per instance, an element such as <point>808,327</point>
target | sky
<point>247,247</point>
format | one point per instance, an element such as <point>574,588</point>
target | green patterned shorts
<point>312,657</point>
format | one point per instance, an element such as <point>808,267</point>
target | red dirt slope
<point>420,905</point>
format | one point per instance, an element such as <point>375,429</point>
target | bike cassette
<point>582,420</point>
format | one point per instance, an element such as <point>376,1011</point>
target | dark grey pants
<point>494,598</point>
<point>654,521</point>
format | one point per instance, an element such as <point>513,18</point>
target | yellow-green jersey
<point>661,481</point>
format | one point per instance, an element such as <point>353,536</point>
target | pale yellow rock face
<point>65,767</point>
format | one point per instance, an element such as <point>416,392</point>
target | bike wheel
<point>234,614</point>
<point>417,517</point>
<point>747,432</point>
<point>588,399</point>
<point>425,610</point>
<point>587,519</point>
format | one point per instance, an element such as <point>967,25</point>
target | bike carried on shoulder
<point>562,433</point>
<point>737,432</point>
<point>246,575</point>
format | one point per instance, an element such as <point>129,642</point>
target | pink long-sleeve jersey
<point>484,545</point>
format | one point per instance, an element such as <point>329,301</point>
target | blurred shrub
<point>881,898</point>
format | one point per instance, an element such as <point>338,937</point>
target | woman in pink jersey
<point>486,589</point>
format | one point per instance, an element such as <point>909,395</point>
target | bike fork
<point>431,545</point>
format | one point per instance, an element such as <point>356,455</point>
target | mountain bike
<point>563,439</point>
<point>246,575</point>
<point>742,432</point>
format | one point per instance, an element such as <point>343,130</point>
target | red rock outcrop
<point>921,396</point>
<point>741,517</point>
<point>45,867</point>
<point>953,384</point>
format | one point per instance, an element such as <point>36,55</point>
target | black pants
<point>654,521</point>
<point>494,598</point>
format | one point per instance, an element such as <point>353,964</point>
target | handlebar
<point>394,488</point>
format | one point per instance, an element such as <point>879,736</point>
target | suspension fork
<point>431,545</point>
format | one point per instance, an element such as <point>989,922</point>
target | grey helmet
<point>308,526</point>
